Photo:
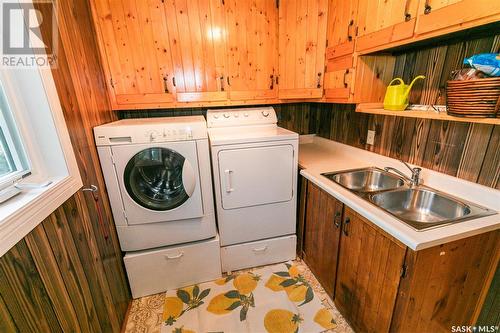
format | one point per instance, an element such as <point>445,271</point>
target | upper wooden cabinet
<point>252,49</point>
<point>437,17</point>
<point>384,22</point>
<point>341,31</point>
<point>339,73</point>
<point>302,43</point>
<point>196,32</point>
<point>134,39</point>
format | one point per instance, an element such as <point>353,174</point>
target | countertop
<point>318,155</point>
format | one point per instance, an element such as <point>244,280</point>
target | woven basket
<point>474,98</point>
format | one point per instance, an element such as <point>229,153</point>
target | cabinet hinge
<point>111,82</point>
<point>404,270</point>
<point>356,31</point>
<point>326,43</point>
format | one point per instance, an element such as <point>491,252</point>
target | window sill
<point>22,213</point>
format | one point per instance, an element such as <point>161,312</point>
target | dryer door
<point>159,183</point>
<point>256,176</point>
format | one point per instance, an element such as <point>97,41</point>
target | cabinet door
<point>368,275</point>
<point>341,31</point>
<point>384,22</point>
<point>338,83</point>
<point>322,234</point>
<point>252,46</point>
<point>444,16</point>
<point>134,41</point>
<point>302,43</point>
<point>196,31</point>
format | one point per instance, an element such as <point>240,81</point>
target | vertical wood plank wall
<point>65,275</point>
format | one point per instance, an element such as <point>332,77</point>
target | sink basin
<point>367,180</point>
<point>421,207</point>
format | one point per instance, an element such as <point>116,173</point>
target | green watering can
<point>396,96</point>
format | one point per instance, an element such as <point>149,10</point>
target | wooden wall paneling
<point>70,319</point>
<point>445,145</point>
<point>91,108</point>
<point>489,174</point>
<point>252,46</point>
<point>7,323</point>
<point>197,39</point>
<point>24,292</point>
<point>81,284</point>
<point>473,155</point>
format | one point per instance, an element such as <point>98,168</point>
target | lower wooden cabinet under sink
<point>381,285</point>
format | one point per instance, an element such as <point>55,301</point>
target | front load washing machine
<point>157,173</point>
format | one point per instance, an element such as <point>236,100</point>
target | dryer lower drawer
<point>154,271</point>
<point>258,253</point>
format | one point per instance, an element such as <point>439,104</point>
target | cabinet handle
<point>349,27</point>
<point>319,81</point>
<point>345,77</point>
<point>346,223</point>
<point>277,82</point>
<point>228,82</point>
<point>427,8</point>
<point>260,249</point>
<point>222,83</point>
<point>173,81</point>
<point>174,257</point>
<point>336,219</point>
<point>407,11</point>
<point>272,82</point>
<point>165,83</point>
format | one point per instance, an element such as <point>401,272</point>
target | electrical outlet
<point>370,137</point>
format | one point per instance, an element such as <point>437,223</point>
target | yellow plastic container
<point>397,96</point>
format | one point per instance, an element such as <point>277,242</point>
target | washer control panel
<point>169,134</point>
<point>241,117</point>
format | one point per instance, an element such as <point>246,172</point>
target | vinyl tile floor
<point>145,314</point>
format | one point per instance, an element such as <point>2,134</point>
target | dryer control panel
<point>241,117</point>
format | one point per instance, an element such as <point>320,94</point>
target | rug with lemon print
<point>275,299</point>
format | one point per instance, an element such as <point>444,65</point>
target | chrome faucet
<point>414,180</point>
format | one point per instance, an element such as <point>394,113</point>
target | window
<point>38,168</point>
<point>14,163</point>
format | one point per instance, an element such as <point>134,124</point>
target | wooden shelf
<point>377,108</point>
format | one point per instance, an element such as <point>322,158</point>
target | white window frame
<point>38,114</point>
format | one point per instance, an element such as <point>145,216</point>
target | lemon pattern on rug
<point>241,296</point>
<point>282,321</point>
<point>324,318</point>
<point>187,299</point>
<point>293,283</point>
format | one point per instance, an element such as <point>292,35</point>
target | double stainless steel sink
<point>420,207</point>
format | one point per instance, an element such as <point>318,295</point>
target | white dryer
<point>255,176</point>
<point>157,173</point>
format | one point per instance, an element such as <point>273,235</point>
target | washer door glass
<point>153,178</point>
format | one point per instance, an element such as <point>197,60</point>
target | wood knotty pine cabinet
<point>380,285</point>
<point>359,27</point>
<point>159,53</point>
